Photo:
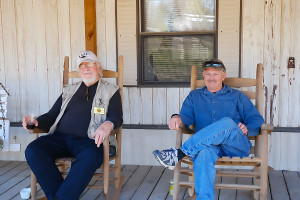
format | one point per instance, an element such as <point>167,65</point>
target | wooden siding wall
<point>155,105</point>
<point>152,105</point>
<point>127,39</point>
<point>229,35</point>
<point>35,35</point>
<point>106,33</point>
<point>271,36</point>
<point>268,36</point>
<point>34,38</point>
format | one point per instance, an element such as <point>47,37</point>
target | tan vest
<point>104,92</point>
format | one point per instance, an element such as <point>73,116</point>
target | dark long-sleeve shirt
<point>77,116</point>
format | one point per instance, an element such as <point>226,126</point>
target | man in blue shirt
<point>223,118</point>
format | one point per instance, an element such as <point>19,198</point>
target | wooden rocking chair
<point>65,163</point>
<point>258,159</point>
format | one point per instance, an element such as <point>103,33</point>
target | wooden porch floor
<point>148,182</point>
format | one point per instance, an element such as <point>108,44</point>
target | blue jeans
<point>222,138</point>
<point>42,152</point>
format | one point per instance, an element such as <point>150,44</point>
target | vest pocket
<point>99,112</point>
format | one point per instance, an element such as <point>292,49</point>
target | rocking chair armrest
<point>267,127</point>
<point>180,131</point>
<point>187,130</point>
<point>178,138</point>
<point>36,130</point>
<point>116,131</point>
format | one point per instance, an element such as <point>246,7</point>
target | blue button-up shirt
<point>202,108</point>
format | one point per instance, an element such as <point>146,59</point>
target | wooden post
<point>90,25</point>
<point>66,71</point>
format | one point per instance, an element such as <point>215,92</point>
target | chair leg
<point>118,161</point>
<point>255,194</point>
<point>115,192</point>
<point>264,167</point>
<point>33,186</point>
<point>264,183</point>
<point>191,198</point>
<point>105,179</point>
<point>106,168</point>
<point>118,172</point>
<point>176,181</point>
<point>191,179</point>
<point>119,188</point>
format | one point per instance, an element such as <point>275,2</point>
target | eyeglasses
<point>89,64</point>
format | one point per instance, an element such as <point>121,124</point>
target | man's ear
<point>224,76</point>
<point>99,68</point>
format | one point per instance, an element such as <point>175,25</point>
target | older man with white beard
<point>75,128</point>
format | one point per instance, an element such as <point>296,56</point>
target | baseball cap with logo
<point>214,63</point>
<point>86,56</point>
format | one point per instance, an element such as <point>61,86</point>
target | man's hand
<point>243,128</point>
<point>29,120</point>
<point>102,133</point>
<point>175,122</point>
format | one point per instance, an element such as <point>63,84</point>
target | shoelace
<point>169,155</point>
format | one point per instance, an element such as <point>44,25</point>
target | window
<point>175,35</point>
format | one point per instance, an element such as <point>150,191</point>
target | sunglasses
<point>215,64</point>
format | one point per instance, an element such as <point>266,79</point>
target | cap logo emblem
<point>83,55</point>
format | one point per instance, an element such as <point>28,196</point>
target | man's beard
<point>90,80</point>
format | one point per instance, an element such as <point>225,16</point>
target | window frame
<point>140,50</point>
